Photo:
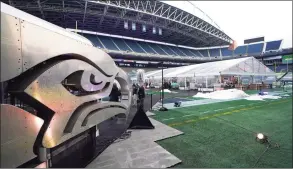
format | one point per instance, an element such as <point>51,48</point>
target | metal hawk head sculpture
<point>60,75</point>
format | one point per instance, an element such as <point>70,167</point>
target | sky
<point>247,19</point>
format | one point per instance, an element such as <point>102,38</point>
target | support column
<point>206,82</point>
<point>185,83</point>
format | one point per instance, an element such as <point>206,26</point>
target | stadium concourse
<point>220,96</point>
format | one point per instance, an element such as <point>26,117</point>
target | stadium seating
<point>226,52</point>
<point>214,52</point>
<point>121,44</point>
<point>280,68</point>
<point>94,40</point>
<point>168,50</point>
<point>146,47</point>
<point>240,50</point>
<point>118,44</point>
<point>273,45</point>
<point>157,49</point>
<point>186,52</point>
<point>108,42</point>
<point>134,46</point>
<point>179,53</point>
<point>255,48</point>
<point>204,53</point>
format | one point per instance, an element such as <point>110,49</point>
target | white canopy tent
<point>248,66</point>
<point>248,70</point>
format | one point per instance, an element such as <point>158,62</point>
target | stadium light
<point>133,26</point>
<point>154,30</point>
<point>143,28</point>
<point>261,138</point>
<point>160,31</point>
<point>125,24</point>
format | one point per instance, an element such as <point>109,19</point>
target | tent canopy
<point>248,66</point>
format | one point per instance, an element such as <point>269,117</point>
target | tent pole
<point>185,83</point>
<point>206,82</point>
<point>163,108</point>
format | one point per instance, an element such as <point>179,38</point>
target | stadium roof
<point>244,66</point>
<point>178,26</point>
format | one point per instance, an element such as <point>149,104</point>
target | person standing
<point>141,96</point>
<point>115,93</point>
<point>134,94</point>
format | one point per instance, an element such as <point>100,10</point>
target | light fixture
<point>261,138</point>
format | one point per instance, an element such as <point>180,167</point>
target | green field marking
<point>219,143</point>
<point>227,113</point>
<point>202,109</point>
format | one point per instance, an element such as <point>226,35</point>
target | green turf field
<point>223,134</point>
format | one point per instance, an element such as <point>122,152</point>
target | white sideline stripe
<point>167,119</point>
<point>188,115</point>
<point>205,112</point>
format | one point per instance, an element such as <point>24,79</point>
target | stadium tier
<point>136,46</point>
<point>273,45</point>
<point>281,68</point>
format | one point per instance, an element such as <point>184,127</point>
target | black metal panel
<point>253,40</point>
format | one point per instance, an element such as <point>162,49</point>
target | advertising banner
<point>287,59</point>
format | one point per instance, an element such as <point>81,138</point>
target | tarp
<point>242,66</point>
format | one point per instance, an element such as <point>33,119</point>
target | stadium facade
<point>145,34</point>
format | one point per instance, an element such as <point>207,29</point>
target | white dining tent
<point>248,66</point>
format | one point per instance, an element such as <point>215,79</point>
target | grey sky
<point>247,19</point>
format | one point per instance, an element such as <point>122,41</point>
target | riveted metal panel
<point>38,49</point>
<point>11,59</point>
<point>19,130</point>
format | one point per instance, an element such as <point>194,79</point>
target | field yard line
<point>205,112</point>
<point>189,115</point>
<point>218,110</point>
<point>167,119</point>
<point>225,113</point>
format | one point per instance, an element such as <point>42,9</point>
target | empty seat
<point>194,52</point>
<point>273,45</point>
<point>134,46</point>
<point>240,50</point>
<point>121,44</point>
<point>226,52</point>
<point>214,52</point>
<point>94,40</point>
<point>204,53</point>
<point>157,48</point>
<point>167,50</point>
<point>186,52</point>
<point>180,53</point>
<point>172,49</point>
<point>197,52</point>
<point>255,48</point>
<point>146,47</point>
<point>108,43</point>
